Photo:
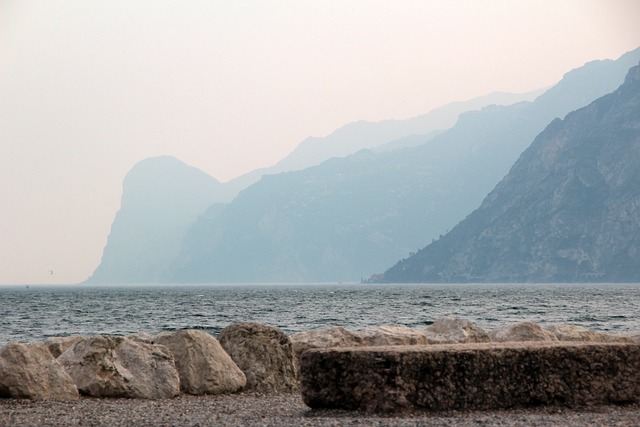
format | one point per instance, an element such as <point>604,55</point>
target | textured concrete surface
<point>471,376</point>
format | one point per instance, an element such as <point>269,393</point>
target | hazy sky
<point>88,88</point>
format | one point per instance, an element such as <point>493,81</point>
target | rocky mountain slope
<point>341,220</point>
<point>353,137</point>
<point>568,211</point>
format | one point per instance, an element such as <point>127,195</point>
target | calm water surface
<point>36,312</point>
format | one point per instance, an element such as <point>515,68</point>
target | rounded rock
<point>265,355</point>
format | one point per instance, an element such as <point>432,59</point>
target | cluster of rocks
<point>449,330</point>
<point>245,356</point>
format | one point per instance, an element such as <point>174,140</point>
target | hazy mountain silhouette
<point>136,254</point>
<point>345,218</point>
<point>356,136</point>
<point>568,211</point>
<point>161,199</point>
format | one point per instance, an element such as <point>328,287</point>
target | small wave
<point>87,311</point>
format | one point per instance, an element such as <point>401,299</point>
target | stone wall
<point>470,376</point>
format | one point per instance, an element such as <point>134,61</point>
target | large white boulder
<point>575,333</point>
<point>633,337</point>
<point>203,365</point>
<point>58,345</point>
<point>392,335</point>
<point>29,371</point>
<point>144,337</point>
<point>522,331</point>
<point>110,366</point>
<point>334,336</point>
<point>264,354</point>
<point>451,330</point>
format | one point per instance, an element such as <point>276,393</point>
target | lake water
<point>36,312</point>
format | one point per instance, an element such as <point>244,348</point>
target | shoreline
<point>280,408</point>
<point>285,409</point>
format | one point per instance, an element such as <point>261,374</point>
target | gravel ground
<point>283,410</point>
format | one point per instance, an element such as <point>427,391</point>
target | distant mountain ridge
<point>568,211</point>
<point>362,134</point>
<point>342,219</point>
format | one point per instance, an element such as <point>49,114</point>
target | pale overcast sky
<point>88,88</point>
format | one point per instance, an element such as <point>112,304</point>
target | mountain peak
<point>633,76</point>
<point>162,196</point>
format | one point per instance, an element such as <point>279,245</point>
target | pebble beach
<point>250,409</point>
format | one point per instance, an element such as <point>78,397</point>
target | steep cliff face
<point>161,199</point>
<point>568,211</point>
<point>345,218</point>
